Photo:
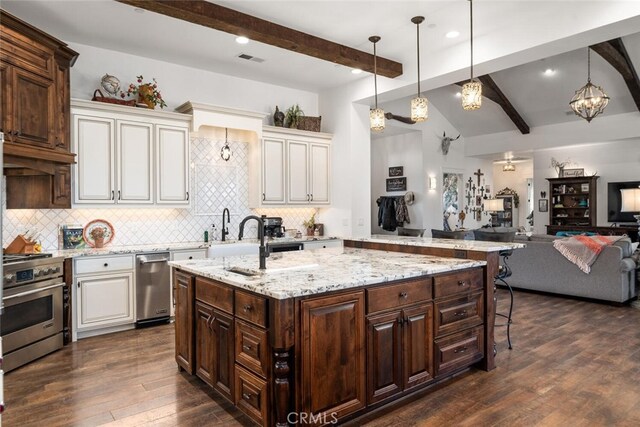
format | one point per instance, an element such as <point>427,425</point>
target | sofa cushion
<point>625,245</point>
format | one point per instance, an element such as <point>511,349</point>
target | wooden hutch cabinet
<point>34,115</point>
<point>573,204</point>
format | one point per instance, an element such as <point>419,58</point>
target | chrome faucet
<point>225,227</point>
<point>264,252</point>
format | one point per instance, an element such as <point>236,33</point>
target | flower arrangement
<point>292,116</point>
<point>98,233</point>
<point>559,166</point>
<point>147,93</point>
<point>310,224</point>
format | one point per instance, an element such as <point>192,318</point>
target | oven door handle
<point>154,261</point>
<point>34,291</point>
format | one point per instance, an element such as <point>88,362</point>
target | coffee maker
<point>273,227</point>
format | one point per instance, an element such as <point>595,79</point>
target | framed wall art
<point>397,184</point>
<point>543,205</point>
<point>570,173</point>
<point>396,171</point>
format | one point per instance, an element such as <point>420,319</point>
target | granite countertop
<point>162,247</point>
<point>469,245</point>
<point>300,273</point>
<point>129,249</point>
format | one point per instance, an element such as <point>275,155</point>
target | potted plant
<point>97,234</point>
<point>147,93</point>
<point>292,116</point>
<point>310,225</point>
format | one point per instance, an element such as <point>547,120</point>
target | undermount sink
<point>249,272</point>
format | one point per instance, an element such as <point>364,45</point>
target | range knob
<point>8,278</point>
<point>56,270</point>
<point>37,273</point>
<point>46,271</point>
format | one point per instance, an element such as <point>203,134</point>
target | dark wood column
<point>282,340</point>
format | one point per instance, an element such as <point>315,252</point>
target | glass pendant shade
<point>225,151</point>
<point>419,104</point>
<point>376,117</point>
<point>472,95</point>
<point>589,101</point>
<point>419,109</point>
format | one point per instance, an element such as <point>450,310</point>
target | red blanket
<point>583,250</point>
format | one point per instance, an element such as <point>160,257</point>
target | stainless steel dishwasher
<point>153,288</point>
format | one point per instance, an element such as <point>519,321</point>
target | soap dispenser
<point>213,233</point>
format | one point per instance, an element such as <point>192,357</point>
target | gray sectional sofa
<point>541,267</point>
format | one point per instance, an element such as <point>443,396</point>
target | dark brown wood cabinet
<point>183,297</point>
<point>573,202</point>
<point>35,115</point>
<point>417,345</point>
<point>332,354</point>
<point>384,356</point>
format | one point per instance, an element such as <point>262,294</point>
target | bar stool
<point>504,272</point>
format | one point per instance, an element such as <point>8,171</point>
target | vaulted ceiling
<point>538,98</point>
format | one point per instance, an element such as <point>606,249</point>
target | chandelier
<point>509,167</point>
<point>419,104</point>
<point>472,90</point>
<point>590,100</point>
<point>376,116</point>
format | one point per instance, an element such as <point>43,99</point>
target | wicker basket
<point>102,98</point>
<point>309,123</point>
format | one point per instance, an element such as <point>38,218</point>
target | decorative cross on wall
<point>468,197</point>
<point>478,174</point>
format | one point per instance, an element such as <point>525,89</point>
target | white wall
<point>612,161</point>
<point>517,181</point>
<point>179,83</point>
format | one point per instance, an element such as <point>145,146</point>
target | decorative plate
<point>109,232</point>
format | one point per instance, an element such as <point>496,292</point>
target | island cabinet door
<point>183,299</point>
<point>384,356</point>
<point>223,340</point>
<point>333,355</point>
<point>204,346</point>
<point>418,345</point>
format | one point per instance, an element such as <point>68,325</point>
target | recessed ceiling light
<point>242,40</point>
<point>458,94</point>
<point>549,72</point>
<point>356,71</point>
<point>452,34</point>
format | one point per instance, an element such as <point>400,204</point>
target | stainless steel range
<point>33,300</point>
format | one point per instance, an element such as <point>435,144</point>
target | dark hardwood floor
<point>574,363</point>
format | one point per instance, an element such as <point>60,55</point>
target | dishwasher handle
<point>142,262</point>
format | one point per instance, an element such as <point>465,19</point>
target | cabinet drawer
<point>452,284</point>
<point>251,395</point>
<point>459,350</point>
<point>457,313</point>
<point>252,348</point>
<point>94,265</point>
<point>28,54</point>
<point>398,295</point>
<point>251,308</point>
<point>214,294</point>
<point>187,255</point>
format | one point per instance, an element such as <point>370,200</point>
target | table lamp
<point>631,202</point>
<point>493,205</point>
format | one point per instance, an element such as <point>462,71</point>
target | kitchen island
<point>327,335</point>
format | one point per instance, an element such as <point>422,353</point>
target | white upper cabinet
<point>94,144</point>
<point>172,164</point>
<point>295,168</point>
<point>135,162</point>
<point>129,156</point>
<point>273,158</point>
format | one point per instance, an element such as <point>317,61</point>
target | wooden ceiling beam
<point>614,52</point>
<point>231,21</point>
<point>490,90</point>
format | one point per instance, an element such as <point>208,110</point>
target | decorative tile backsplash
<point>215,184</point>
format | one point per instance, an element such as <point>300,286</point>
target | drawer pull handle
<point>247,308</point>
<point>246,396</point>
<point>403,295</point>
<point>462,283</point>
<point>462,313</point>
<point>106,264</point>
<point>246,347</point>
<point>460,350</point>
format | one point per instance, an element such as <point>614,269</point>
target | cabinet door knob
<point>462,313</point>
<point>113,195</point>
<point>460,350</point>
<point>263,197</point>
<point>246,396</point>
<point>246,347</point>
<point>78,283</point>
<point>312,197</point>
<point>462,283</point>
<point>187,196</point>
<point>403,295</point>
<point>106,264</point>
<point>247,308</point>
<point>119,198</point>
<point>190,257</point>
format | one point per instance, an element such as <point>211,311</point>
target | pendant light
<point>509,167</point>
<point>590,100</point>
<point>225,152</point>
<point>471,91</point>
<point>419,104</point>
<point>376,116</point>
